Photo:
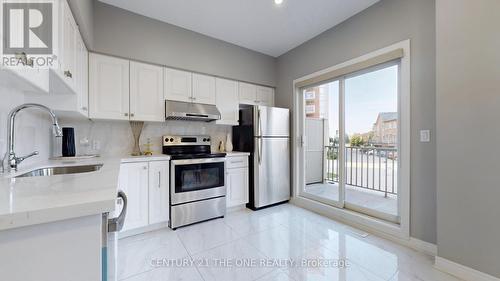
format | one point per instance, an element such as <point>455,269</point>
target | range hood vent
<point>187,111</point>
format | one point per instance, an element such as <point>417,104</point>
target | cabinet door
<point>248,93</point>
<point>146,92</point>
<point>82,77</point>
<point>69,50</point>
<point>158,192</point>
<point>237,187</point>
<point>227,101</point>
<point>109,87</point>
<point>203,89</point>
<point>134,182</point>
<point>265,96</point>
<point>178,85</point>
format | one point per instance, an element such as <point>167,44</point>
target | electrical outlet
<point>425,135</point>
<point>96,145</point>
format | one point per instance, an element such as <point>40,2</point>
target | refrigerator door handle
<point>260,150</point>
<point>259,122</point>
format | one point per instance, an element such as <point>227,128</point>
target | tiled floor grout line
<point>297,228</point>
<point>190,256</point>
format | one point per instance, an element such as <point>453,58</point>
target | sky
<point>365,96</point>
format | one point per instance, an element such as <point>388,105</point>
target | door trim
<point>403,229</point>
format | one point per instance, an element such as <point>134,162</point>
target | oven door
<point>197,179</point>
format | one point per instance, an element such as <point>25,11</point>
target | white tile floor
<point>276,235</point>
<point>362,197</point>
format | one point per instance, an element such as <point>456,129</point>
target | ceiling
<point>259,25</point>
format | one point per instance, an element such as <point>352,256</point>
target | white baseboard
<point>141,230</point>
<point>462,271</point>
<point>422,246</point>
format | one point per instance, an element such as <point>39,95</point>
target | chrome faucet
<point>10,155</point>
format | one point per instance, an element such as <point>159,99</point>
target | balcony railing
<point>373,168</point>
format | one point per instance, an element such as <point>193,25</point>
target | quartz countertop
<point>237,153</point>
<point>34,200</point>
<point>145,158</point>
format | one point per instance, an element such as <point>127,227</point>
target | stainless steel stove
<point>197,180</point>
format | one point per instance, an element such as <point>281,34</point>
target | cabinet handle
<point>126,114</point>
<point>159,179</point>
<point>236,162</point>
<point>84,108</point>
<point>68,74</point>
<point>24,59</point>
<point>145,167</point>
<point>132,115</point>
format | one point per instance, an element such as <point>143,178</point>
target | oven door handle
<point>198,161</point>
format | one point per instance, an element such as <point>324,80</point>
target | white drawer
<point>236,162</point>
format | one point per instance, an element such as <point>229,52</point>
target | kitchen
<point>104,108</point>
<point>194,140</point>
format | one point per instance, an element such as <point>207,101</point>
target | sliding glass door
<point>322,129</point>
<point>351,141</point>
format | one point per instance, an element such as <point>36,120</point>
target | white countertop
<point>35,200</point>
<point>144,158</point>
<point>237,153</point>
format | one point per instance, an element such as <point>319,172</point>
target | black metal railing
<point>373,168</point>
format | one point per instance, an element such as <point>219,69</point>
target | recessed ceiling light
<point>278,2</point>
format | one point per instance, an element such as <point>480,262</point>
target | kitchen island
<point>51,227</point>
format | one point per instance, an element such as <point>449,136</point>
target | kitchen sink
<point>52,171</point>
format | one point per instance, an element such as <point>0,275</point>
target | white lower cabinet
<point>158,192</point>
<point>237,181</point>
<point>146,185</point>
<point>134,182</point>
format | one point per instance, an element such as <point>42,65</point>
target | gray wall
<point>126,34</point>
<point>383,24</point>
<point>468,103</point>
<point>83,11</point>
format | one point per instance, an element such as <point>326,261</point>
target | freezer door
<point>271,171</point>
<point>271,121</point>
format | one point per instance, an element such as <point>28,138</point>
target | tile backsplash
<point>107,138</point>
<point>114,138</point>
<point>32,131</point>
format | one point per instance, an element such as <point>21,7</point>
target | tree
<point>357,141</point>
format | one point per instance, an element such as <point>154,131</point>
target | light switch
<point>425,135</point>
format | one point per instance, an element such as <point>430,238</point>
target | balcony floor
<point>365,198</point>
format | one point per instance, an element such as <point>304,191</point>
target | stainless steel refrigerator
<point>265,133</point>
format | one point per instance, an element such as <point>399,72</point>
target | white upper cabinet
<point>146,92</point>
<point>68,53</point>
<point>82,85</point>
<point>203,89</point>
<point>158,192</point>
<point>256,95</point>
<point>108,87</point>
<point>248,93</point>
<point>265,96</point>
<point>227,101</point>
<point>178,85</point>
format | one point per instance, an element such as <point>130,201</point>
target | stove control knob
<point>172,139</point>
<point>166,140</point>
<point>208,140</point>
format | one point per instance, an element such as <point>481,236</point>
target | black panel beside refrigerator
<point>264,133</point>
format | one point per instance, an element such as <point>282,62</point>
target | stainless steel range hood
<point>175,110</point>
